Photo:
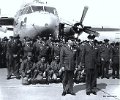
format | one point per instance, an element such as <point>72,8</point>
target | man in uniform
<point>46,51</point>
<point>1,49</point>
<point>37,47</point>
<point>89,61</point>
<point>56,48</point>
<point>41,69</point>
<point>106,54</point>
<point>55,67</point>
<point>67,60</point>
<point>4,51</point>
<point>8,57</point>
<point>28,47</point>
<point>14,50</point>
<point>115,61</point>
<point>26,69</point>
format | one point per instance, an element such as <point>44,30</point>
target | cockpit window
<point>24,11</point>
<point>50,10</point>
<point>37,8</point>
<point>29,10</point>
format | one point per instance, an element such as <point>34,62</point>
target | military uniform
<point>1,49</point>
<point>26,71</point>
<point>67,60</point>
<point>4,51</point>
<point>89,60</point>
<point>56,49</point>
<point>14,53</point>
<point>37,47</point>
<point>105,54</point>
<point>41,69</point>
<point>55,66</point>
<point>46,51</point>
<point>99,65</point>
<point>28,48</point>
<point>9,60</point>
<point>115,61</point>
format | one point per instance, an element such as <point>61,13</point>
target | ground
<point>107,89</point>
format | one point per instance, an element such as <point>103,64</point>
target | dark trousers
<point>115,70</point>
<point>68,81</point>
<point>90,80</point>
<point>105,68</point>
<point>99,70</point>
<point>3,60</point>
<point>10,66</point>
<point>13,66</point>
<point>16,66</point>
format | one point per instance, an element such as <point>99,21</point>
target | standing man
<point>9,58</point>
<point>4,52</point>
<point>1,49</point>
<point>67,60</point>
<point>14,53</point>
<point>106,55</point>
<point>115,61</point>
<point>89,61</point>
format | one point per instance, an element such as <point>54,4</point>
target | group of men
<point>70,60</point>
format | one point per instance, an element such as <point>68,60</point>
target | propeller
<point>83,14</point>
<point>79,27</point>
<point>90,31</point>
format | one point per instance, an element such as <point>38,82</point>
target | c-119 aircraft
<point>40,19</point>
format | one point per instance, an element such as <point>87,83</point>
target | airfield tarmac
<point>107,89</point>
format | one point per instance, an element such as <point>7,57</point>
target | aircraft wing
<point>103,29</point>
<point>6,23</point>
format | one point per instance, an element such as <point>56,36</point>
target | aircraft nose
<point>45,21</point>
<point>49,21</point>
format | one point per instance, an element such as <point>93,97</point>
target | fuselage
<point>36,19</point>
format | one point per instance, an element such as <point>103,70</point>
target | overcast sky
<point>100,13</point>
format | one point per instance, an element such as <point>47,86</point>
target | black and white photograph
<point>59,49</point>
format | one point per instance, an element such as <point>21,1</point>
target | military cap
<point>112,43</point>
<point>79,40</point>
<point>5,39</point>
<point>11,37</point>
<point>117,44</point>
<point>106,40</point>
<point>96,41</point>
<point>100,42</point>
<point>91,36</point>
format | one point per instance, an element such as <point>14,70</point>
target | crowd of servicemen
<point>45,59</point>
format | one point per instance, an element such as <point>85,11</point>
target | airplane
<point>34,19</point>
<point>39,18</point>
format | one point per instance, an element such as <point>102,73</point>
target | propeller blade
<point>84,14</point>
<point>106,29</point>
<point>89,31</point>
